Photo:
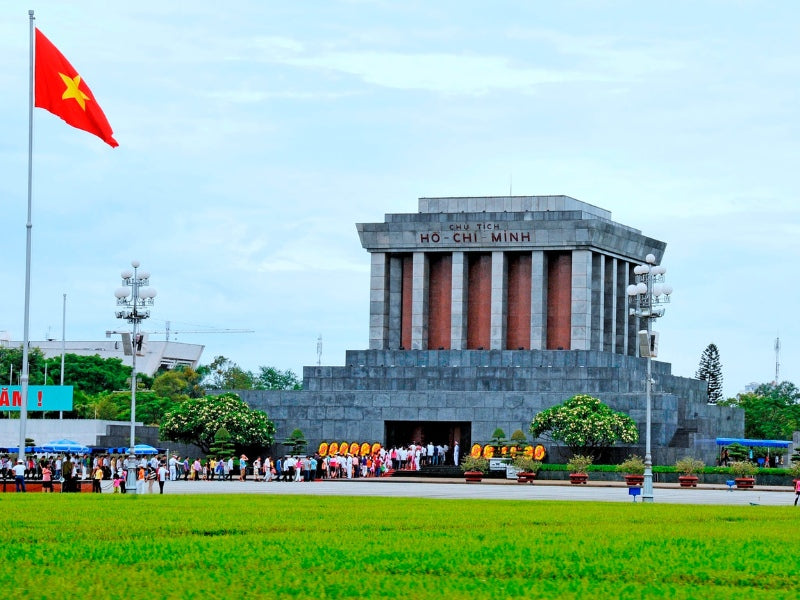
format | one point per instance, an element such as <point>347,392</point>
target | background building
<point>152,355</point>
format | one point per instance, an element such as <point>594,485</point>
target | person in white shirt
<point>19,475</point>
<point>162,477</point>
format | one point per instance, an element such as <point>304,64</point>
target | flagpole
<point>23,409</point>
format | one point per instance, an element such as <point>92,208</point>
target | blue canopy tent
<point>758,444</point>
<point>28,450</point>
<point>65,446</point>
<point>144,449</point>
<point>754,443</point>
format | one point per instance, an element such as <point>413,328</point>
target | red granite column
<point>559,300</point>
<point>405,315</point>
<point>440,283</point>
<point>518,331</point>
<point>479,301</point>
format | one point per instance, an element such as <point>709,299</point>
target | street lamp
<point>645,298</point>
<point>135,306</point>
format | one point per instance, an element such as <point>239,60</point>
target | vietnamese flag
<point>60,90</point>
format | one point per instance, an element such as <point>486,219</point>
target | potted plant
<point>689,466</point>
<point>633,468</point>
<point>526,468</point>
<point>577,467</point>
<point>474,468</point>
<point>743,472</point>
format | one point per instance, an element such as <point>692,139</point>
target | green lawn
<point>259,546</point>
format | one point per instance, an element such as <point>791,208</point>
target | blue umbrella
<point>65,446</point>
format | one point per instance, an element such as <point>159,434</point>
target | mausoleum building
<point>485,311</point>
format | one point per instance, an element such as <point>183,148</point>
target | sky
<point>254,135</point>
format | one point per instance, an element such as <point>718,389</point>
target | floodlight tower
<point>135,301</point>
<point>644,299</point>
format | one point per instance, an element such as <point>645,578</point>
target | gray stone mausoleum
<point>484,312</point>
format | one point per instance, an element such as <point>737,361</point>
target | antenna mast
<point>777,360</point>
<point>319,350</point>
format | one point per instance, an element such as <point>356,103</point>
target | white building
<point>152,356</point>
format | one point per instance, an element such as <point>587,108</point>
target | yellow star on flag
<point>73,91</point>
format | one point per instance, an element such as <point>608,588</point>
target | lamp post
<point>645,298</point>
<point>135,301</point>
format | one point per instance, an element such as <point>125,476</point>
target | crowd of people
<point>110,471</point>
<point>117,472</point>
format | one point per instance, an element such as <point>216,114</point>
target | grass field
<point>257,546</point>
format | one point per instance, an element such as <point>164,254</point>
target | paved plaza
<point>398,487</point>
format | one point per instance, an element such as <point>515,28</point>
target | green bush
<point>689,465</point>
<point>471,463</point>
<point>527,465</point>
<point>633,465</point>
<point>743,468</point>
<point>579,463</point>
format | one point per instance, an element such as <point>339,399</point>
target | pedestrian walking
<point>162,477</point>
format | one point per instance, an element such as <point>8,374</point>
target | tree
<point>585,425</point>
<point>222,445</point>
<point>178,384</point>
<point>710,370</point>
<point>270,378</point>
<point>771,412</point>
<point>224,374</point>
<point>11,362</point>
<point>297,442</point>
<point>519,440</point>
<point>93,374</point>
<point>197,420</point>
<point>497,441</point>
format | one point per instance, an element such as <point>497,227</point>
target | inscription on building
<point>478,234</point>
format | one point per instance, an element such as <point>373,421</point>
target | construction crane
<point>168,330</point>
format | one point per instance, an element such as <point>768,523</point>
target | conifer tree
<point>710,370</point>
<point>222,446</point>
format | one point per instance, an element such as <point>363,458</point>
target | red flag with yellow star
<point>60,90</point>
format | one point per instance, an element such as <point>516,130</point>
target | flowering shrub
<point>195,421</point>
<point>585,425</point>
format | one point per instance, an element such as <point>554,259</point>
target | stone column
<point>458,315</point>
<point>611,308</point>
<point>629,329</point>
<point>598,305</point>
<point>581,318</point>
<point>538,301</point>
<point>419,302</point>
<point>395,301</point>
<point>378,302</point>
<point>499,301</point>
